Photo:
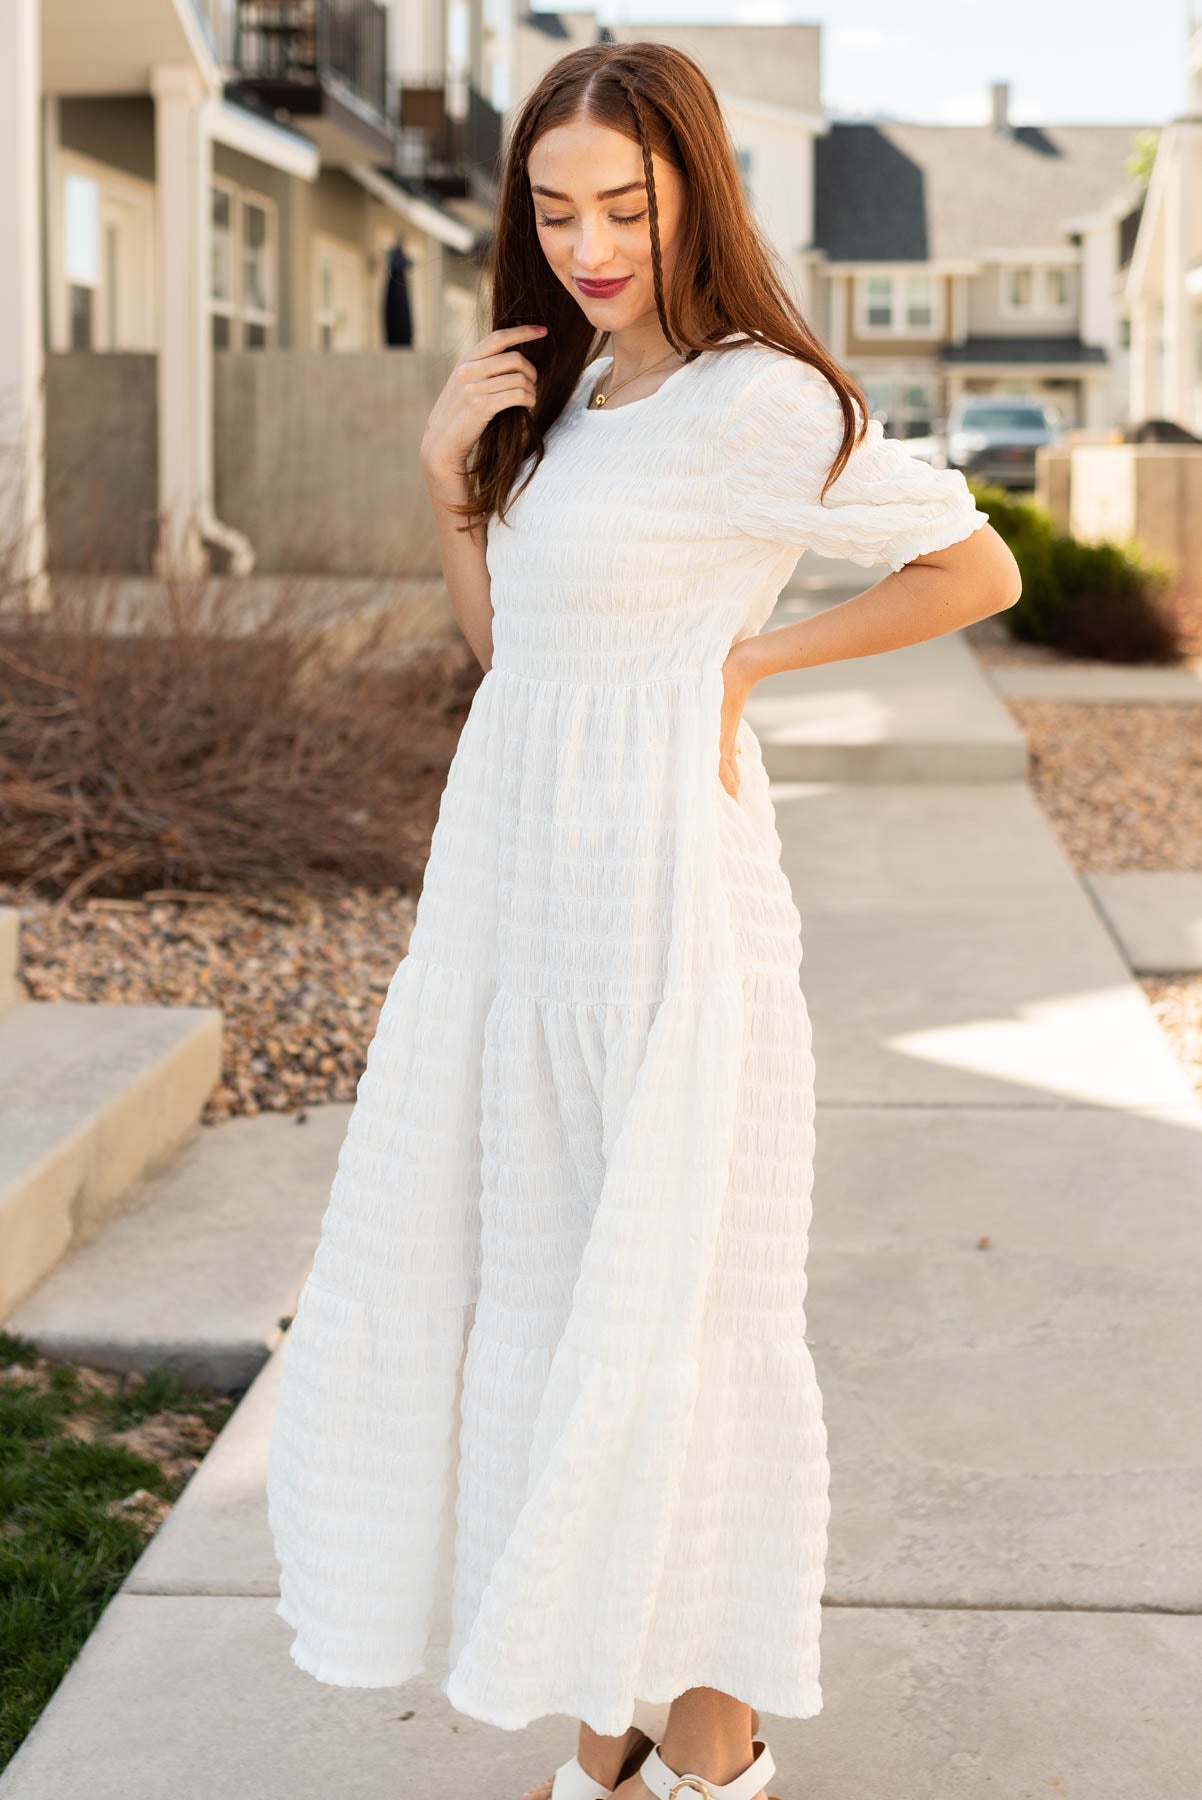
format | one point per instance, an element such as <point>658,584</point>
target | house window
<point>1020,284</point>
<point>899,304</point>
<point>879,313</point>
<point>242,286</point>
<point>1037,290</point>
<point>920,303</point>
<point>917,410</point>
<point>905,407</point>
<point>221,268</point>
<point>1055,289</point>
<point>104,297</point>
<point>257,304</point>
<point>81,257</point>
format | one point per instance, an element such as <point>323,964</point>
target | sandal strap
<point>666,1784</point>
<point>574,1783</point>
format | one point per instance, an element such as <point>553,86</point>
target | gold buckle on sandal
<point>690,1781</point>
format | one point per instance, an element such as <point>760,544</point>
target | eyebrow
<point>605,193</point>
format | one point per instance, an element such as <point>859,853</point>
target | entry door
<point>338,301</point>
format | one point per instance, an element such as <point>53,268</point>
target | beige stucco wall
<point>317,458</point>
<point>335,206</point>
<point>1149,492</point>
<point>101,460</point>
<point>1053,482</point>
<point>987,317</point>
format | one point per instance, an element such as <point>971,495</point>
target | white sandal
<point>572,1782</point>
<point>666,1784</point>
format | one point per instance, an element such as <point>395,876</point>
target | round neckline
<point>589,380</point>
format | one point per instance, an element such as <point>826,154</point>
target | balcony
<point>324,62</point>
<point>450,142</point>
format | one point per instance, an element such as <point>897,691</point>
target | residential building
<point>952,260</point>
<point>195,178</point>
<point>1164,280</point>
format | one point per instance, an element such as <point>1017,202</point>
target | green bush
<point>1092,600</point>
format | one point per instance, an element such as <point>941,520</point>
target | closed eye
<point>618,218</point>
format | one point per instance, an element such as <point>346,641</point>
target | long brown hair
<point>725,277</point>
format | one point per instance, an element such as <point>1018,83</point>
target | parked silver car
<point>994,437</point>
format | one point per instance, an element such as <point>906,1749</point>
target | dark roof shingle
<point>896,192</point>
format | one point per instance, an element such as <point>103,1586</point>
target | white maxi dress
<point>552,1348</point>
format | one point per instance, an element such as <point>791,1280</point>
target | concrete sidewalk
<point>1003,1278</point>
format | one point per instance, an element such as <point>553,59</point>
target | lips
<point>599,290</point>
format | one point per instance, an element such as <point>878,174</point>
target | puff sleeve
<point>885,507</point>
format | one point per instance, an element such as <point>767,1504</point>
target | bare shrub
<point>219,736</point>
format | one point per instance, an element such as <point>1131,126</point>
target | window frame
<point>1039,307</point>
<point>122,202</point>
<point>336,251</point>
<point>899,410</point>
<point>900,279</point>
<point>242,316</point>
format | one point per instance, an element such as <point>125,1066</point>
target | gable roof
<point>896,192</point>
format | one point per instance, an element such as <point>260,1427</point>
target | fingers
<point>497,377</point>
<point>511,393</point>
<point>496,350</point>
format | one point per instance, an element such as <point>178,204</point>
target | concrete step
<point>91,1098</point>
<point>921,713</point>
<point>1101,683</point>
<point>10,956</point>
<point>203,1265</point>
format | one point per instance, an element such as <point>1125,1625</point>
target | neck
<point>637,346</point>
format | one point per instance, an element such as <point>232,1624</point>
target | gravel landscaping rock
<point>300,982</point>
<point>1122,785</point>
<point>1177,1002</point>
<point>1122,788</point>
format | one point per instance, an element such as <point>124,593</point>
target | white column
<point>1176,226</point>
<point>1141,399</point>
<point>182,157</point>
<point>22,414</point>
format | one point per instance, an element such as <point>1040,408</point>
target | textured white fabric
<point>553,1341</point>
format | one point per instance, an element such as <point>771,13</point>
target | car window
<point>1001,417</point>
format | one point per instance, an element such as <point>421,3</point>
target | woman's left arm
<point>931,595</point>
<point>886,509</point>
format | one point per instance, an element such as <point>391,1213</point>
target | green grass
<point>63,1553</point>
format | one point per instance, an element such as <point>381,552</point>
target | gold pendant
<point>599,400</point>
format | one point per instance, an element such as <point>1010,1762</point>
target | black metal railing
<point>288,50</point>
<point>440,145</point>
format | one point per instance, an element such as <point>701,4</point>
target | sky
<point>1067,61</point>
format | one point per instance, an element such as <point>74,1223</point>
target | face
<point>590,207</point>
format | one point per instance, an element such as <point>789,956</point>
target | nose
<point>593,250</point>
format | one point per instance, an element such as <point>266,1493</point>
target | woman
<point>553,1344</point>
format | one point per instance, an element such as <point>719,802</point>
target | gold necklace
<point>600,399</point>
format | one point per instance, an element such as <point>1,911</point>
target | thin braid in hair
<point>657,267</point>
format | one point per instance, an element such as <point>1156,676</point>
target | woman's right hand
<point>488,378</point>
